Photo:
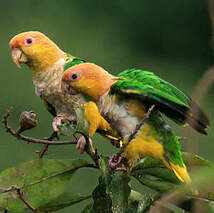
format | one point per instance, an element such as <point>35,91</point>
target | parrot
<point>124,99</point>
<point>47,63</point>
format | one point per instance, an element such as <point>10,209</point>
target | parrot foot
<point>81,143</point>
<point>58,121</point>
<point>117,162</point>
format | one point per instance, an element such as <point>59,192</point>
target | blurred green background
<point>170,38</point>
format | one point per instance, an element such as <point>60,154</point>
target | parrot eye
<point>75,76</point>
<point>29,41</point>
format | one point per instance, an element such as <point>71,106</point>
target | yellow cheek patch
<point>41,56</point>
<point>89,87</point>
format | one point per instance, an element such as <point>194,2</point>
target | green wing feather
<point>71,61</point>
<point>168,99</point>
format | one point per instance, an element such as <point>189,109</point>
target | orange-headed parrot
<point>123,101</point>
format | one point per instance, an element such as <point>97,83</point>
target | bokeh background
<point>170,38</point>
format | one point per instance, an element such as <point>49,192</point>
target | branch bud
<point>27,120</point>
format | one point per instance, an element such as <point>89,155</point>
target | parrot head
<point>34,49</point>
<point>88,79</point>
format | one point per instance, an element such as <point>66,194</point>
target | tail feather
<point>197,119</point>
<point>180,172</point>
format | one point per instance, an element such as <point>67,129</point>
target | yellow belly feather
<point>145,145</point>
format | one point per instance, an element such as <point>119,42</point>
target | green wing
<point>71,61</point>
<point>169,100</point>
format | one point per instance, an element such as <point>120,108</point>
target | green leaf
<point>88,209</point>
<point>62,201</point>
<point>158,184</point>
<point>138,202</point>
<point>152,173</point>
<point>159,172</point>
<point>40,180</point>
<point>119,191</point>
<point>83,125</point>
<point>111,195</point>
<point>102,201</point>
<point>67,129</point>
<point>189,159</point>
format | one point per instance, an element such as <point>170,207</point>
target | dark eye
<point>29,41</point>
<point>74,76</point>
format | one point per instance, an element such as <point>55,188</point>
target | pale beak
<point>18,57</point>
<point>66,88</point>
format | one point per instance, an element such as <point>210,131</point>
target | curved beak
<point>18,57</point>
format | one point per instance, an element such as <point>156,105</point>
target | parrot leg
<point>81,143</point>
<point>58,121</point>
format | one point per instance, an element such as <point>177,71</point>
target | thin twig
<point>43,151</point>
<point>89,149</point>
<point>138,126</point>
<point>22,198</point>
<point>29,139</point>
<point>46,146</point>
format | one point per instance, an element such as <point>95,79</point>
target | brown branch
<point>46,146</point>
<point>89,148</point>
<point>138,126</point>
<point>22,198</point>
<point>29,139</point>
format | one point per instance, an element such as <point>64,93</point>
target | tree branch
<point>89,149</point>
<point>46,146</point>
<point>20,196</point>
<point>29,139</point>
